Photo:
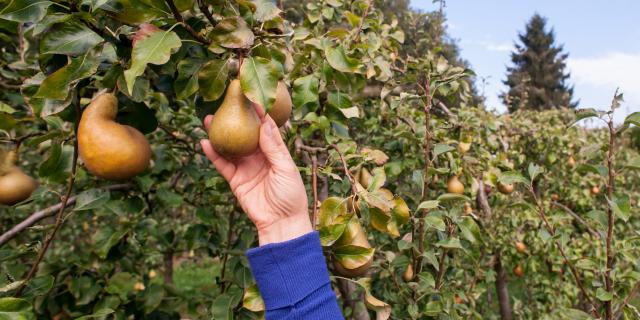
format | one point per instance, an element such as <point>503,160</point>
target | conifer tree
<point>537,80</point>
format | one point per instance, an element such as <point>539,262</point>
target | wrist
<point>285,229</point>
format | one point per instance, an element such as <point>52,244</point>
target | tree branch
<point>186,26</point>
<point>47,212</point>
<point>577,217</point>
<point>611,184</point>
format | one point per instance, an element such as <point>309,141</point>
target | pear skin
<point>281,110</point>
<point>108,149</point>
<point>15,186</point>
<point>235,128</point>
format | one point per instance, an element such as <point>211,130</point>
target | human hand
<point>267,184</point>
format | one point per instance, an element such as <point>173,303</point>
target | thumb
<point>272,146</point>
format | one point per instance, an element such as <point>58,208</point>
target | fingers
<point>273,147</point>
<point>226,168</point>
<point>207,122</point>
<point>259,110</point>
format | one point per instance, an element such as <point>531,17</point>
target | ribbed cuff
<point>287,272</point>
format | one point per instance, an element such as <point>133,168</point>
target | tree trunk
<point>502,290</point>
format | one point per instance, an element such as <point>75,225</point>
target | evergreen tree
<point>537,79</point>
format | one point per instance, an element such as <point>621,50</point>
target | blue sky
<point>601,37</point>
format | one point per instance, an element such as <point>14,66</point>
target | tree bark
<point>502,290</point>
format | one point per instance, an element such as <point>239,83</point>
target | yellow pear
<point>15,185</point>
<point>505,188</point>
<point>111,150</point>
<point>281,109</point>
<point>235,128</point>
<point>407,276</point>
<point>455,186</point>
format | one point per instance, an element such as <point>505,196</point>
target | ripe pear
<point>518,271</point>
<point>235,128</point>
<point>455,186</point>
<point>407,276</point>
<point>467,208</point>
<point>111,150</point>
<point>521,247</point>
<point>595,190</point>
<point>281,109</point>
<point>571,161</point>
<point>353,235</point>
<point>505,188</point>
<point>15,185</point>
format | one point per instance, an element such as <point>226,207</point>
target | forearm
<point>293,280</point>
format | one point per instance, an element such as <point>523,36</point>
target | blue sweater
<point>294,281</point>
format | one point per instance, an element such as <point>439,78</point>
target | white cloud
<point>500,47</point>
<point>615,69</point>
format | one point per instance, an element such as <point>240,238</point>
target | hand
<point>267,184</point>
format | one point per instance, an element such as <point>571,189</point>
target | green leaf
<point>153,47</point>
<point>431,204</point>
<point>451,243</point>
<point>70,37</point>
<point>441,148</point>
<point>452,197</point>
<point>582,114</point>
<point>435,222</point>
<point>511,177</point>
<point>339,60</point>
<point>186,84</point>
<point>534,170</point>
<point>232,33</point>
<point>305,91</point>
<point>223,306</point>
<point>58,84</point>
<point>91,199</point>
<point>105,238</point>
<point>259,79</point>
<point>469,229</point>
<point>633,118</point>
<point>212,79</point>
<point>25,10</point>
<point>603,295</point>
<point>16,309</point>
<point>100,313</point>
<point>633,164</point>
<point>84,289</point>
<point>153,296</point>
<point>621,207</point>
<point>121,284</point>
<point>39,286</point>
<point>265,10</point>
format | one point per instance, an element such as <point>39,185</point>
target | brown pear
<point>111,150</point>
<point>455,186</point>
<point>521,247</point>
<point>505,188</point>
<point>353,235</point>
<point>15,185</point>
<point>235,128</point>
<point>281,109</point>
<point>407,276</point>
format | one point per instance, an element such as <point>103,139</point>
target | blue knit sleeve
<point>293,280</point>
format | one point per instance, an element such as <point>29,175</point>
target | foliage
<point>169,243</point>
<point>537,79</point>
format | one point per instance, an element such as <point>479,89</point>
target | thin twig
<point>205,10</point>
<point>47,212</point>
<point>314,187</point>
<point>574,271</point>
<point>65,200</point>
<point>185,25</point>
<point>611,184</point>
<point>345,167</point>
<point>632,295</point>
<point>227,247</point>
<point>421,230</point>
<point>577,217</point>
<point>364,17</point>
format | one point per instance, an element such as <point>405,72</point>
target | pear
<point>407,276</point>
<point>455,186</point>
<point>15,185</point>
<point>281,109</point>
<point>521,247</point>
<point>353,235</point>
<point>505,188</point>
<point>108,149</point>
<point>235,128</point>
<point>518,271</point>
